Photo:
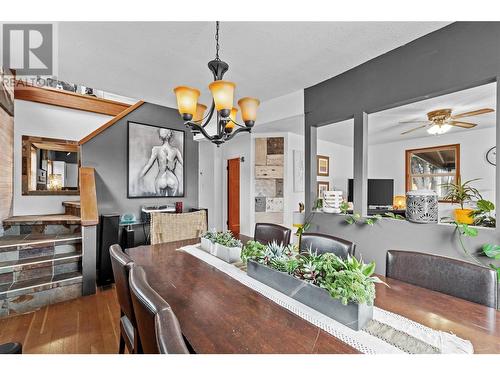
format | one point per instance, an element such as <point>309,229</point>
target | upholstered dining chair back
<point>147,303</point>
<point>167,227</point>
<point>266,233</point>
<point>446,275</point>
<point>121,264</point>
<point>323,243</point>
<point>168,333</point>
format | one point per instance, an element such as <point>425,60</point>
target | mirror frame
<point>454,147</point>
<point>48,144</point>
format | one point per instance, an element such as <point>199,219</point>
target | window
<point>431,167</point>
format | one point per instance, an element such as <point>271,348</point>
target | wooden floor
<point>85,325</point>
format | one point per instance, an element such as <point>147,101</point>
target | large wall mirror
<point>49,166</point>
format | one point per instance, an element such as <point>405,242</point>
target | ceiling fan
<point>442,120</point>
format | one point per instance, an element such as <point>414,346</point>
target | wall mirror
<point>49,166</point>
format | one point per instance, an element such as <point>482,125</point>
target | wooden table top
<point>219,315</point>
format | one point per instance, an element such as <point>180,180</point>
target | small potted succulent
<point>227,247</point>
<point>208,241</point>
<point>462,193</point>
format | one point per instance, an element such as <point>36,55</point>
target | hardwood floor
<point>81,326</point>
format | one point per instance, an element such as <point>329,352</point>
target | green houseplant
<point>349,280</point>
<point>461,193</point>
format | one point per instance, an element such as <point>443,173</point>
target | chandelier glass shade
<point>195,114</point>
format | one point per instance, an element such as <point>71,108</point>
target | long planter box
<point>352,315</point>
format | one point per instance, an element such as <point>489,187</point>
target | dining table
<point>218,314</point>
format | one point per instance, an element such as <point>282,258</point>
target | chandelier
<point>193,113</point>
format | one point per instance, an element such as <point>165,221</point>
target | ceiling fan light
<point>223,93</point>
<point>439,129</point>
<point>200,112</point>
<point>187,98</point>
<point>248,108</point>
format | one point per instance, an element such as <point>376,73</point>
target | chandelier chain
<point>217,41</point>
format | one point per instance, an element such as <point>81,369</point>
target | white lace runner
<point>363,341</point>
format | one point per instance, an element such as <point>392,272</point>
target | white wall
<point>35,119</point>
<point>341,164</point>
<point>388,160</point>
<point>210,192</point>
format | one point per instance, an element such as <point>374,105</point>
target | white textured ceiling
<point>384,126</point>
<point>146,60</point>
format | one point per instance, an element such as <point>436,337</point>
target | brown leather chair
<point>323,243</point>
<point>446,275</point>
<point>266,233</point>
<point>168,333</point>
<point>121,264</point>
<point>11,348</point>
<point>147,304</point>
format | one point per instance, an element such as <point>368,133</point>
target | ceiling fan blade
<point>473,113</point>
<point>412,130</point>
<point>462,124</point>
<point>413,122</point>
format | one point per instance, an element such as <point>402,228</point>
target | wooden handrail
<point>61,98</point>
<point>88,197</point>
<point>111,122</point>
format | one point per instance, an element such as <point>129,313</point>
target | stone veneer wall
<point>269,163</point>
<point>6,153</point>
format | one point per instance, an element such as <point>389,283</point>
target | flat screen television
<point>380,192</point>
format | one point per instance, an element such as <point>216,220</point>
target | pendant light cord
<point>217,41</point>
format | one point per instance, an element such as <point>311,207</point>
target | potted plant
<point>208,240</point>
<point>484,213</point>
<point>343,289</point>
<point>226,247</point>
<point>462,193</point>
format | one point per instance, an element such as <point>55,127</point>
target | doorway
<point>233,196</point>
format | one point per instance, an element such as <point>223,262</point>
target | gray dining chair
<point>266,233</point>
<point>121,264</point>
<point>446,275</point>
<point>323,243</point>
<point>147,305</point>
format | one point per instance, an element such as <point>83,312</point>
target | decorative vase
<point>462,216</point>
<point>422,206</point>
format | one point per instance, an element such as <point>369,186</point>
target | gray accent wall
<point>107,153</point>
<point>459,56</point>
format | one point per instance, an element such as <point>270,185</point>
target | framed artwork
<point>323,186</point>
<point>323,165</point>
<point>155,161</point>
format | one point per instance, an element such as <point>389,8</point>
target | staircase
<point>40,260</point>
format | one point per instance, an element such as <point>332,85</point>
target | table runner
<point>386,333</point>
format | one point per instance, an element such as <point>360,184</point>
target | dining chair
<point>11,348</point>
<point>147,304</point>
<point>168,333</point>
<point>323,243</point>
<point>446,275</point>
<point>266,233</point>
<point>121,264</point>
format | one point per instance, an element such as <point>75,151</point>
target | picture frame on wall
<point>323,165</point>
<point>322,186</point>
<point>155,161</point>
